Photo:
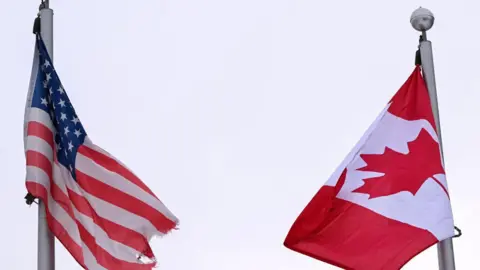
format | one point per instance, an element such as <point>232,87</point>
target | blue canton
<point>50,97</point>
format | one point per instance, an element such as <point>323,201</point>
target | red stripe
<point>104,258</point>
<point>57,229</point>
<point>113,166</point>
<point>114,231</point>
<point>41,131</point>
<point>125,201</point>
<point>40,161</point>
<point>62,199</point>
<point>350,236</point>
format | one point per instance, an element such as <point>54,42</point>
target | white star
<point>61,103</point>
<point>77,132</point>
<point>44,101</point>
<point>45,84</point>
<point>50,90</point>
<point>75,120</point>
<point>66,131</point>
<point>66,153</point>
<point>60,90</point>
<point>47,63</point>
<point>59,146</point>
<point>70,146</point>
<point>63,116</point>
<point>49,77</point>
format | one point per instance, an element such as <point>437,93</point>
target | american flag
<point>96,207</point>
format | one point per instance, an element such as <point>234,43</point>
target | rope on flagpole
<point>418,57</point>
<point>43,4</point>
<point>36,25</point>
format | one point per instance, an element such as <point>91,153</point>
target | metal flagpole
<point>422,20</point>
<point>46,243</point>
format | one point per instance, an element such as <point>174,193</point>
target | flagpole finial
<point>422,19</point>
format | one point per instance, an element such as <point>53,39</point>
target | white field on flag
<point>234,113</point>
<point>97,208</point>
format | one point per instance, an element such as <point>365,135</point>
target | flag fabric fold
<point>388,200</point>
<point>96,207</point>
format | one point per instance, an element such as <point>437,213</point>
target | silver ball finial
<point>422,19</point>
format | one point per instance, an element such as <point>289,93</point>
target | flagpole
<point>45,242</point>
<point>422,20</point>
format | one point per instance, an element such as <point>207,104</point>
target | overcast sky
<point>236,112</point>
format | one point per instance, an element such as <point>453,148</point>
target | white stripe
<point>37,175</point>
<point>109,211</point>
<point>88,143</point>
<point>116,249</point>
<point>54,208</point>
<point>92,169</point>
<point>34,143</point>
<point>89,260</point>
<point>59,177</point>
<point>40,116</point>
<point>121,216</point>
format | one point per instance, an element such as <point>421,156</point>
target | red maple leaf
<point>402,172</point>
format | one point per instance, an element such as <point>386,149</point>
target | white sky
<point>236,112</point>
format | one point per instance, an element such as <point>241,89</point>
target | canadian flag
<point>388,200</point>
